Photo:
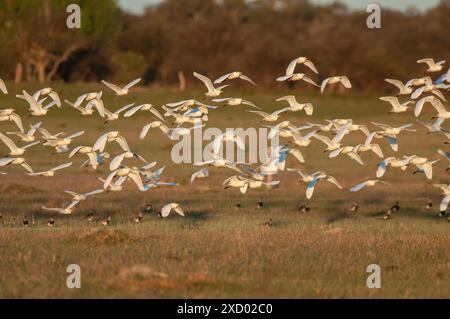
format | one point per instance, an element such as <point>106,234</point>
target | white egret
<point>212,91</point>
<point>165,211</point>
<point>120,91</point>
<point>344,80</point>
<point>232,76</point>
<point>14,149</point>
<point>51,172</point>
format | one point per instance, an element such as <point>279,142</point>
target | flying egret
<point>3,87</point>
<point>295,106</point>
<point>114,116</point>
<point>64,211</point>
<point>423,164</point>
<point>172,133</point>
<point>89,108</point>
<point>344,80</point>
<point>83,196</point>
<point>432,65</point>
<point>403,89</point>
<point>297,77</point>
<point>10,115</point>
<point>397,107</point>
<point>446,196</point>
<point>235,101</point>
<point>232,76</point>
<point>143,107</point>
<point>428,99</point>
<point>61,144</point>
<point>48,92</point>
<point>131,173</point>
<point>301,60</point>
<point>212,91</point>
<point>51,172</point>
<point>228,136</point>
<point>371,182</point>
<point>392,162</point>
<point>272,117</point>
<point>165,211</point>
<point>119,91</point>
<point>112,136</point>
<point>16,161</point>
<point>317,178</point>
<point>14,149</point>
<point>27,137</point>
<point>426,80</point>
<point>117,161</point>
<point>203,173</point>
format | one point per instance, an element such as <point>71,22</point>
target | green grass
<point>218,251</point>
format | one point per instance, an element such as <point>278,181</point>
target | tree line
<point>176,37</point>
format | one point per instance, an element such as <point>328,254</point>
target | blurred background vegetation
<point>175,37</point>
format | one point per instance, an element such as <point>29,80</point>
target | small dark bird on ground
<point>396,207</point>
<point>238,206</point>
<point>268,223</point>
<point>429,205</point>
<point>25,221</point>
<point>354,208</point>
<point>387,215</point>
<point>51,222</point>
<point>148,208</point>
<point>90,216</point>
<point>138,219</point>
<point>259,204</point>
<point>304,208</point>
<point>105,222</point>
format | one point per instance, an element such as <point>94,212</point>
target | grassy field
<point>218,251</point>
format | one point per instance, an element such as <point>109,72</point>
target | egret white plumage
<point>13,148</point>
<point>10,115</point>
<point>212,91</point>
<point>232,76</point>
<point>27,137</point>
<point>301,60</point>
<point>120,91</point>
<point>342,79</point>
<point>165,211</point>
<point>432,65</point>
<point>51,172</point>
<point>295,106</point>
<point>370,182</point>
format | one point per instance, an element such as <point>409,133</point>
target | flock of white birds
<point>419,92</point>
